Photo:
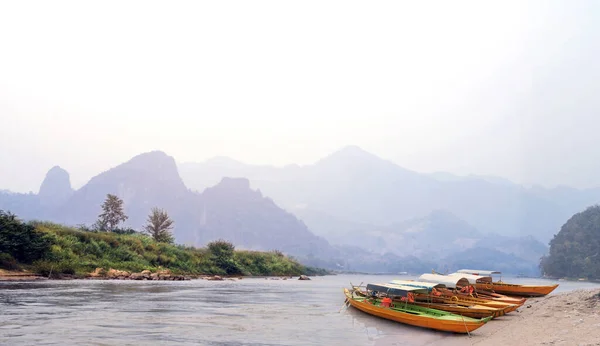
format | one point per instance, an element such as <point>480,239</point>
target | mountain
<point>231,210</point>
<point>353,187</point>
<point>147,180</point>
<point>489,258</point>
<point>575,250</point>
<point>56,188</point>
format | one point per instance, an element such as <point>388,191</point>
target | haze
<point>506,89</point>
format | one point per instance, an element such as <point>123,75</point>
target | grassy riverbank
<point>59,250</point>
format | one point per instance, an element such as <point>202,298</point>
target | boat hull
<point>498,309</point>
<point>517,290</point>
<point>466,325</point>
<point>469,311</point>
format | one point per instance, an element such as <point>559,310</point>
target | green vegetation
<point>575,250</point>
<point>19,241</point>
<point>48,248</point>
<point>159,226</point>
<point>112,214</point>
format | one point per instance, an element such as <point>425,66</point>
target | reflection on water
<point>246,312</point>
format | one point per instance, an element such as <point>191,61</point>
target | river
<point>252,311</point>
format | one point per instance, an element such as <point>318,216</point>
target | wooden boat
<point>448,297</point>
<point>517,290</point>
<point>452,294</point>
<point>507,288</point>
<point>470,310</point>
<point>486,294</point>
<point>499,297</point>
<point>474,311</point>
<point>411,314</point>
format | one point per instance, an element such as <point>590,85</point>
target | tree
<point>159,226</point>
<point>222,254</point>
<point>20,241</point>
<point>575,250</point>
<point>112,214</point>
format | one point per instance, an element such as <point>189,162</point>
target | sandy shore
<point>11,275</point>
<point>571,318</point>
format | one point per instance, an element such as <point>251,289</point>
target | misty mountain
<point>233,210</point>
<point>434,236</point>
<point>356,187</point>
<point>56,188</point>
<point>489,258</point>
<point>147,180</point>
<point>230,210</point>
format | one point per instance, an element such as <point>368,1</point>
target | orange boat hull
<point>498,308</point>
<point>413,320</point>
<point>469,311</point>
<point>500,298</point>
<point>517,290</point>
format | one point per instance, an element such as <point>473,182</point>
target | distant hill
<point>575,250</point>
<point>230,210</point>
<point>147,180</point>
<point>490,258</point>
<point>348,210</point>
<point>438,237</point>
<point>352,186</point>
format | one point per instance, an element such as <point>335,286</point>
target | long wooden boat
<point>507,288</point>
<point>474,311</point>
<point>500,307</point>
<point>446,295</point>
<point>517,290</point>
<point>415,315</point>
<point>498,297</point>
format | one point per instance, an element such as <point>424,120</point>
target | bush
<point>21,240</point>
<point>222,255</point>
<point>68,250</point>
<point>8,262</point>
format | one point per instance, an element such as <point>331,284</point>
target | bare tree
<point>112,214</point>
<point>159,226</point>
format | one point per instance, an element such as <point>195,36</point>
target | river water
<point>252,311</point>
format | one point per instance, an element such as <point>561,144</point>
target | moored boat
<point>507,288</point>
<point>448,292</point>
<point>470,310</point>
<point>406,313</point>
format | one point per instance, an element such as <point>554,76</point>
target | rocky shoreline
<point>114,274</point>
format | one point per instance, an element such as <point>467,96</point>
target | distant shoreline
<point>24,276</point>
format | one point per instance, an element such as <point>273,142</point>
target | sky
<point>469,87</point>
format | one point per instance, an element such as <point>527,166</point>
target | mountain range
<point>350,210</point>
<point>354,187</point>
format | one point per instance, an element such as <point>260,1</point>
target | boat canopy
<point>449,281</point>
<point>478,272</point>
<point>395,290</point>
<point>474,279</point>
<point>420,284</point>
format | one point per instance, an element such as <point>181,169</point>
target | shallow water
<point>245,312</point>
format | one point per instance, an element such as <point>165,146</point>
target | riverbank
<point>60,252</point>
<point>570,318</point>
<point>112,274</point>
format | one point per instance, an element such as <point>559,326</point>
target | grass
<point>78,252</point>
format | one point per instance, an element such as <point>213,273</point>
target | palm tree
<point>159,226</point>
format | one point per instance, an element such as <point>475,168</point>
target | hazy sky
<point>508,89</point>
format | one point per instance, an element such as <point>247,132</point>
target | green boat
<point>407,313</point>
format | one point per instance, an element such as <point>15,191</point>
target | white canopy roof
<point>474,279</point>
<point>449,281</point>
<point>420,284</point>
<point>478,272</point>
